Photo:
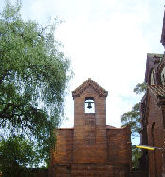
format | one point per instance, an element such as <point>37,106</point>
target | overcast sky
<point>107,41</point>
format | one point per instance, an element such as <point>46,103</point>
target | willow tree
<point>33,79</point>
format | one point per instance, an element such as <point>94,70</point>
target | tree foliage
<point>140,88</point>
<point>16,154</point>
<point>33,78</point>
<point>132,117</point>
<point>136,155</point>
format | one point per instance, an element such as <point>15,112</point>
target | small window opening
<point>153,133</point>
<point>163,114</point>
<point>89,105</point>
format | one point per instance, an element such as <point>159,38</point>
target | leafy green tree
<point>33,78</point>
<point>16,154</point>
<point>136,155</point>
<point>140,88</point>
<point>132,118</point>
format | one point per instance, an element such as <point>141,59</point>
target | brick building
<point>91,148</point>
<point>153,113</point>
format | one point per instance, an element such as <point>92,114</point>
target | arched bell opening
<point>89,105</point>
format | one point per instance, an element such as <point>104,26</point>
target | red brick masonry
<point>91,148</point>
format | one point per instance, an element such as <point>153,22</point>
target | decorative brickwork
<point>89,83</point>
<point>91,149</point>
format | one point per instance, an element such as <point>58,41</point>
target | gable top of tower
<point>89,83</point>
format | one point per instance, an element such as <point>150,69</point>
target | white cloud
<point>106,40</point>
<point>112,51</point>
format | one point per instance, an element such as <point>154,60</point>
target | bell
<point>89,105</point>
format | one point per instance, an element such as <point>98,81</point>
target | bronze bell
<point>89,105</point>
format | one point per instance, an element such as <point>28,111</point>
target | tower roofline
<point>89,83</point>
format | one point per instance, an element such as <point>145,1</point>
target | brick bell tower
<point>89,138</point>
<point>91,148</point>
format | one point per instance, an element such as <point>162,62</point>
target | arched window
<point>89,105</point>
<point>153,133</point>
<point>162,75</point>
<point>152,77</point>
<point>163,115</point>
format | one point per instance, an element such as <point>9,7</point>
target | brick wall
<point>91,149</point>
<point>155,136</point>
<point>90,170</point>
<point>64,146</point>
<point>119,146</point>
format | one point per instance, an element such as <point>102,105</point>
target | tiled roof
<point>157,90</point>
